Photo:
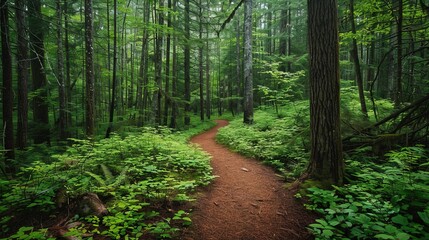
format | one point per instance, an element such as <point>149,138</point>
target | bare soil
<point>246,201</point>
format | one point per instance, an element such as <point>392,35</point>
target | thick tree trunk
<point>326,162</point>
<point>40,105</point>
<point>22,72</point>
<point>7,93</point>
<point>248,65</point>
<point>89,56</point>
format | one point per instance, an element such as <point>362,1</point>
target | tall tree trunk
<point>238,68</point>
<point>22,72</point>
<point>326,161</point>
<point>142,79</point>
<point>398,92</point>
<point>89,56</point>
<point>283,37</point>
<point>115,63</point>
<point>174,107</point>
<point>68,65</point>
<point>208,87</point>
<point>7,93</point>
<point>40,100</point>
<point>167,67</point>
<point>356,62</point>
<point>248,65</point>
<point>200,60</point>
<point>289,36</point>
<point>62,120</point>
<point>157,96</point>
<point>187,65</point>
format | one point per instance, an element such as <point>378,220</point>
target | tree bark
<point>89,57</point>
<point>200,60</point>
<point>7,90</point>
<point>62,120</point>
<point>248,65</point>
<point>187,65</point>
<point>174,108</point>
<point>167,67</point>
<point>326,162</point>
<point>157,95</point>
<point>398,92</point>
<point>40,100</point>
<point>22,72</point>
<point>115,63</point>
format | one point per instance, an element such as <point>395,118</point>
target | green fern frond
<point>101,182</point>
<point>107,173</point>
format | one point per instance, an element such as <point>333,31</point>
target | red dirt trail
<point>246,201</point>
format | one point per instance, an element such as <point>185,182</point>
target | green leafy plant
<point>382,201</point>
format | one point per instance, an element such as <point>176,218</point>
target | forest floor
<point>246,201</point>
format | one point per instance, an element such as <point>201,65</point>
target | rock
<point>90,204</point>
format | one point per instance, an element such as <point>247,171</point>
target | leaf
<point>399,219</point>
<point>424,216</point>
<point>327,233</point>
<point>402,236</point>
<point>383,236</point>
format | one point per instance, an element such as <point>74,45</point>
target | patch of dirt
<point>246,201</point>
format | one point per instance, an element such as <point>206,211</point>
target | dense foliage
<point>144,178</point>
<point>384,198</point>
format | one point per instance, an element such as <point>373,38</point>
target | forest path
<point>246,201</point>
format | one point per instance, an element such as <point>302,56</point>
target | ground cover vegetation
<point>123,187</point>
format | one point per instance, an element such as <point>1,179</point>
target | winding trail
<point>246,201</point>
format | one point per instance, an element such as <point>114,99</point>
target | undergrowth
<point>145,178</point>
<point>384,199</point>
<point>280,141</point>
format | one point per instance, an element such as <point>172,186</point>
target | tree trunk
<point>356,62</point>
<point>200,61</point>
<point>283,37</point>
<point>398,92</point>
<point>89,88</point>
<point>187,65</point>
<point>115,63</point>
<point>248,66</point>
<point>22,72</point>
<point>238,62</point>
<point>62,120</point>
<point>40,88</point>
<point>174,108</point>
<point>7,93</point>
<point>68,65</point>
<point>167,67</point>
<point>157,95</point>
<point>208,87</point>
<point>326,162</point>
